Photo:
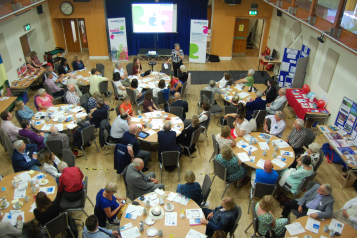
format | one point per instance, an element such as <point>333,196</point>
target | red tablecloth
<point>298,100</point>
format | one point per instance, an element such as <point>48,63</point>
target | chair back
<point>183,90</point>
<point>206,187</point>
<point>126,185</point>
<point>156,101</point>
<point>178,111</point>
<point>205,124</point>
<point>161,97</point>
<point>115,89</point>
<point>206,93</point>
<point>100,68</point>
<point>311,184</point>
<point>88,134</point>
<point>205,99</point>
<point>34,102</point>
<point>56,67</point>
<point>103,87</point>
<point>305,182</point>
<point>24,139</point>
<point>230,109</point>
<point>170,158</point>
<point>58,225</point>
<point>106,136</point>
<point>241,76</point>
<point>6,142</point>
<point>18,117</point>
<point>69,157</point>
<point>55,146</point>
<point>215,145</point>
<point>73,65</point>
<point>236,223</point>
<point>262,189</point>
<point>166,71</point>
<point>321,159</point>
<point>220,170</point>
<point>310,137</point>
<point>47,89</point>
<point>129,68</point>
<point>261,116</point>
<point>84,98</point>
<point>195,136</point>
<point>230,121</point>
<point>117,109</point>
<point>255,220</point>
<point>65,90</point>
<point>132,94</point>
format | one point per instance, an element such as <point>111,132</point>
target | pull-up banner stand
<point>198,41</point>
<point>117,39</point>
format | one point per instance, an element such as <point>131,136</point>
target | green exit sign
<point>253,12</point>
<point>27,27</point>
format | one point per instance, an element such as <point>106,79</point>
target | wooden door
<point>240,36</point>
<point>25,45</point>
<point>83,33</point>
<point>71,35</point>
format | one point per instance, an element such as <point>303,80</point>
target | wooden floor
<point>99,177</point>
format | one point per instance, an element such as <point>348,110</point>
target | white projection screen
<point>154,18</point>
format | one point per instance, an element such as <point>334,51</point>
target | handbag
<point>253,123</point>
<point>282,199</point>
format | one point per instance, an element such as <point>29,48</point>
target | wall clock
<point>67,8</point>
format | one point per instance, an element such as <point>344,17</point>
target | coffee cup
<point>14,184</point>
<point>145,211</point>
<point>160,233</point>
<point>307,236</point>
<point>332,233</point>
<point>276,148</point>
<point>141,228</point>
<point>272,143</point>
<point>161,201</point>
<point>32,183</point>
<point>264,152</point>
<point>274,155</point>
<point>33,189</point>
<point>267,141</point>
<point>168,206</point>
<point>326,228</point>
<point>27,199</point>
<point>250,142</point>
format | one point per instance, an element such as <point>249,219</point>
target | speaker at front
<point>279,13</point>
<point>39,9</point>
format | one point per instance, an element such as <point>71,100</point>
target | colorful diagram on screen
<point>154,18</point>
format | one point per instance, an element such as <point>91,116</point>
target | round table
<point>9,193</point>
<point>39,127</point>
<point>269,153</point>
<point>183,226</point>
<point>233,90</point>
<point>153,137</point>
<point>151,78</point>
<point>348,231</point>
<point>83,73</point>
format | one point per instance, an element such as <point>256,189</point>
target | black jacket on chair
<point>271,94</point>
<point>104,124</point>
<point>183,104</point>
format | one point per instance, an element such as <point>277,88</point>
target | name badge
<point>320,203</point>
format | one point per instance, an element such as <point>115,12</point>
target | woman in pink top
<point>43,100</point>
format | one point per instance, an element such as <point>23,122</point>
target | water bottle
<point>47,119</point>
<point>150,125</point>
<point>249,153</point>
<point>72,118</point>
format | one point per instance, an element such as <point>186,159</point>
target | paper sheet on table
<point>310,211</point>
<point>242,144</point>
<point>135,119</point>
<point>287,153</point>
<point>171,196</point>
<point>281,144</point>
<point>181,199</point>
<point>178,132</point>
<point>151,132</point>
<point>25,176</point>
<point>260,163</point>
<point>195,234</point>
<point>247,137</point>
<point>81,114</point>
<point>278,162</point>
<point>136,210</point>
<point>265,136</point>
<point>157,122</point>
<point>19,193</point>
<point>14,215</point>
<point>337,225</point>
<point>295,228</point>
<point>243,157</point>
<point>33,207</point>
<point>263,146</point>
<point>243,94</point>
<point>251,148</point>
<point>76,109</point>
<point>53,108</point>
<point>48,190</point>
<point>166,66</point>
<point>159,191</point>
<point>59,127</point>
<point>149,114</point>
<point>79,76</point>
<point>130,233</point>
<point>170,218</point>
<point>71,125</point>
<point>176,120</point>
<point>194,213</point>
<point>312,225</point>
<point>46,127</point>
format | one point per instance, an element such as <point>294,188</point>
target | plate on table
<point>152,196</point>
<point>150,221</point>
<point>16,208</point>
<point>152,231</point>
<point>43,182</point>
<point>6,206</point>
<point>172,208</point>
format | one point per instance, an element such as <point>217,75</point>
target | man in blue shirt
<point>91,230</point>
<point>24,157</point>
<point>130,140</point>
<point>98,114</point>
<point>267,175</point>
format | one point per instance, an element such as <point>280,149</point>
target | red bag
<point>173,82</point>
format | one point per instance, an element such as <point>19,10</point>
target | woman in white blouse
<point>225,138</point>
<point>348,214</point>
<point>50,165</point>
<point>241,125</point>
<point>224,81</point>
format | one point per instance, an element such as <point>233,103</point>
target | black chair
<point>310,137</point>
<point>194,139</point>
<point>103,89</point>
<point>166,71</point>
<point>128,195</point>
<point>206,189</point>
<point>55,146</point>
<point>203,93</point>
<point>216,109</point>
<point>84,98</point>
<point>260,190</point>
<point>133,98</point>
<point>50,93</point>
<point>321,159</point>
<point>65,89</point>
<point>156,101</point>
<point>116,94</point>
<point>302,186</point>
<point>162,100</point>
<point>18,117</point>
<point>117,109</point>
<point>87,136</point>
<point>178,111</point>
<point>73,65</point>
<point>255,223</point>
<point>236,223</point>
<point>26,140</point>
<point>170,158</point>
<point>183,90</point>
<point>230,109</point>
<point>107,140</point>
<point>205,125</point>
<point>58,225</point>
<point>100,68</point>
<point>230,121</point>
<point>129,68</point>
<point>215,148</point>
<point>69,157</point>
<point>222,173</point>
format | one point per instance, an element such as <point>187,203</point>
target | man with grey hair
<point>278,103</point>
<point>214,89</point>
<point>71,95</point>
<point>77,134</point>
<point>99,113</point>
<point>72,79</point>
<point>167,142</point>
<point>137,182</point>
<point>120,126</point>
<point>297,137</point>
<point>55,135</point>
<point>55,90</point>
<point>130,140</point>
<point>257,104</point>
<point>275,125</point>
<point>121,75</point>
<point>24,157</point>
<point>319,197</point>
<point>56,79</point>
<point>179,103</point>
<point>249,80</point>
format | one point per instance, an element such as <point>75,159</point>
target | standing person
<point>136,66</point>
<point>177,56</point>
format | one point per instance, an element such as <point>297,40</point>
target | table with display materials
<point>81,75</point>
<point>25,80</point>
<point>6,102</point>
<point>243,92</point>
<point>265,61</point>
<point>151,80</point>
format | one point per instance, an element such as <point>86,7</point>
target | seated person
<point>257,104</point>
<point>149,105</point>
<point>219,234</point>
<point>130,140</point>
<point>313,152</point>
<point>35,138</point>
<point>278,103</point>
<point>126,106</point>
<point>98,114</point>
<point>120,74</point>
<point>235,103</point>
<point>55,90</point>
<point>224,82</point>
<point>55,135</point>
<point>161,88</point>
<point>185,137</point>
<point>120,126</point>
<point>270,92</point>
<point>139,184</point>
<point>72,79</point>
<point>137,66</point>
<point>45,211</point>
<point>167,142</point>
<point>236,172</point>
<point>348,213</point>
<point>44,100</point>
<point>94,81</point>
<point>319,197</point>
<point>8,230</point>
<point>57,79</point>
<point>203,117</point>
<point>77,134</point>
<point>77,63</point>
<point>29,64</point>
<point>221,218</point>
<point>107,202</point>
<point>71,96</point>
<point>191,189</point>
<point>121,89</point>
<point>183,74</point>
<point>241,125</point>
<point>23,111</point>
<point>51,165</point>
<point>297,136</point>
<point>178,85</point>
<point>70,182</point>
<point>267,221</point>
<point>135,87</point>
<point>295,176</point>
<point>225,138</point>
<point>249,80</point>
<point>274,124</point>
<point>92,101</point>
<point>94,231</point>
<point>179,103</point>
<point>34,58</point>
<point>24,157</point>
<point>9,127</point>
<point>214,89</point>
<point>64,67</point>
<point>267,175</point>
